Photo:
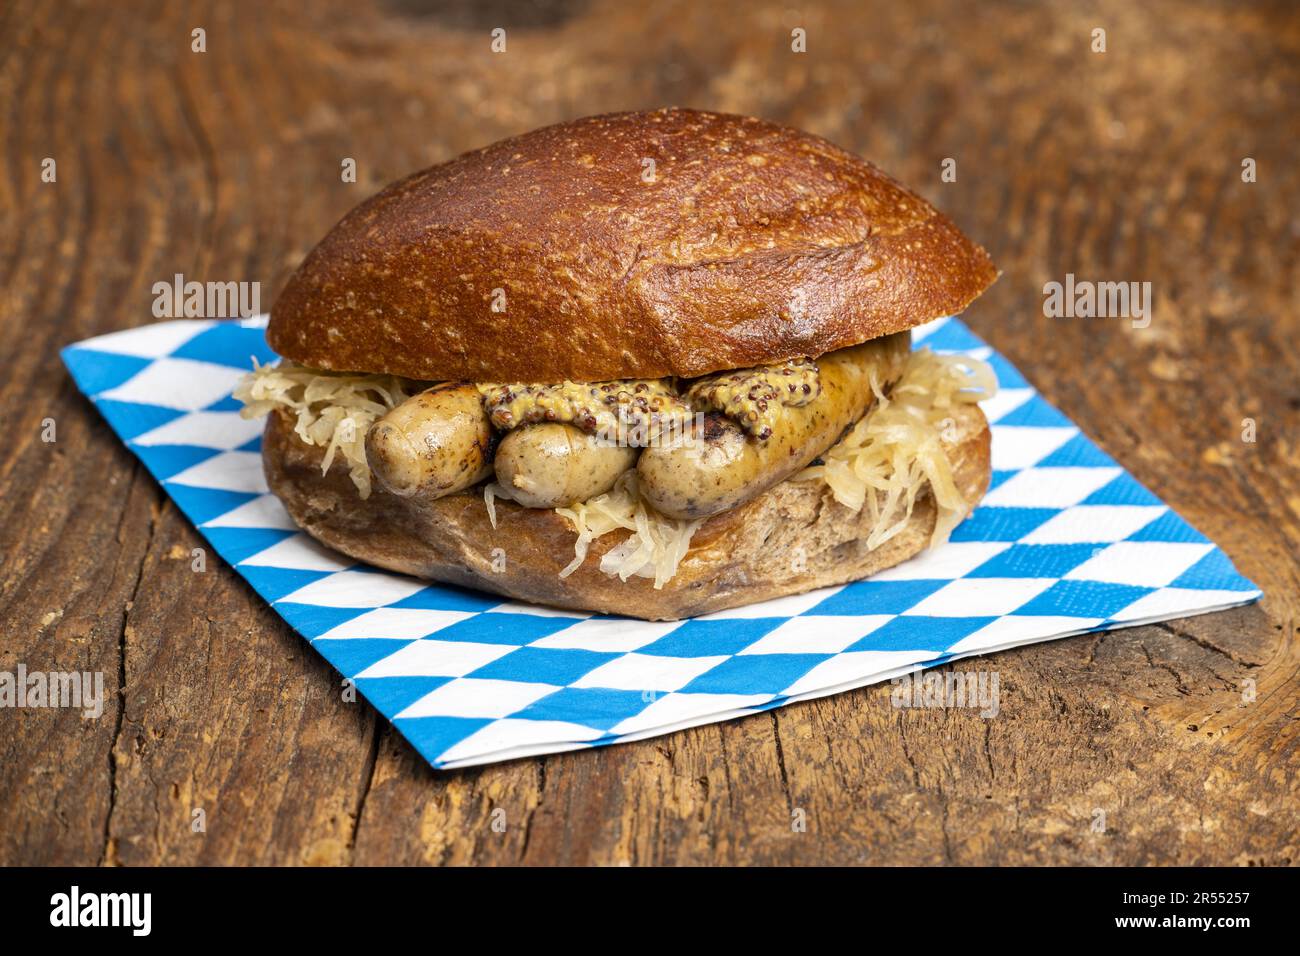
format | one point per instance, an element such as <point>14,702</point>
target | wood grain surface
<point>225,165</point>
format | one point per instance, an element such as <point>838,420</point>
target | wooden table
<point>225,165</point>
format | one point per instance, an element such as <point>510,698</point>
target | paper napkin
<point>1066,541</point>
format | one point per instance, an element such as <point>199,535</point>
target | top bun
<point>630,245</point>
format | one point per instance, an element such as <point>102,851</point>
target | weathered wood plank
<point>225,165</point>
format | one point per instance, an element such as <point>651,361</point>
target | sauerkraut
<point>332,409</point>
<point>893,454</point>
<point>884,463</point>
<point>653,550</point>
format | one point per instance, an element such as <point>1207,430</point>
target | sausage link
<point>433,444</point>
<point>554,465</point>
<point>710,469</point>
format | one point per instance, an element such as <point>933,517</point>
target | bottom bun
<point>791,539</point>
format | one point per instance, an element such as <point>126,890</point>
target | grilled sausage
<point>712,468</point>
<point>553,465</point>
<point>433,444</point>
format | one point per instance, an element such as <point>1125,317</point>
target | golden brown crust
<point>754,243</point>
<point>791,539</point>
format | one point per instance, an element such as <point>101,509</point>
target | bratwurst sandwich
<point>654,364</point>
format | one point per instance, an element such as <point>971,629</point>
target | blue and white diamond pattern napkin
<point>1065,542</point>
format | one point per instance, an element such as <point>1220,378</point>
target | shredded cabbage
<point>332,409</point>
<point>893,454</point>
<point>884,463</point>
<point>653,550</point>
